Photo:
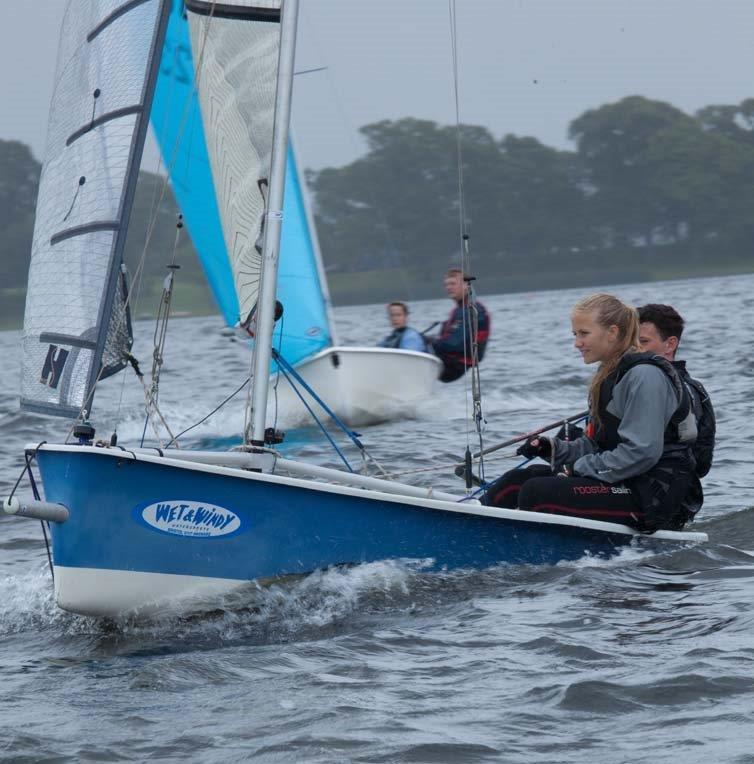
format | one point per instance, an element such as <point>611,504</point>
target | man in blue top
<point>403,337</point>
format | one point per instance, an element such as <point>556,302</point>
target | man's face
<point>454,286</point>
<point>397,316</point>
<point>651,341</point>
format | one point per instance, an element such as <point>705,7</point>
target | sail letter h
<point>53,368</point>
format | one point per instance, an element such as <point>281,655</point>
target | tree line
<point>648,191</point>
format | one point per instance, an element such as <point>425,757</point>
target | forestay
<point>177,123</point>
<point>76,324</point>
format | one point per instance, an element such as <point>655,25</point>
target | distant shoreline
<point>431,291</point>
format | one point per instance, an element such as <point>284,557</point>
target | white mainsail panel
<point>74,304</point>
<point>235,46</point>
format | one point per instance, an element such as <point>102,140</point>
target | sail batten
<point>81,230</point>
<point>106,64</point>
<point>255,11</point>
<point>113,17</point>
<point>117,114</point>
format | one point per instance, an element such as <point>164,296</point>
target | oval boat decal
<point>195,519</point>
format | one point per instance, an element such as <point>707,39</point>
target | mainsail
<point>177,123</point>
<point>76,323</point>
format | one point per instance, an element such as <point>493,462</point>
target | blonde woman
<point>634,463</point>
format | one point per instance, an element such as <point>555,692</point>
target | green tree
<point>734,122</point>
<point>19,182</point>
<point>613,142</point>
<point>702,182</point>
<point>400,202</point>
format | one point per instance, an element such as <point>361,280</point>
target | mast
<point>274,222</point>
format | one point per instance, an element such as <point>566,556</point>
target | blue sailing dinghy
<point>137,530</point>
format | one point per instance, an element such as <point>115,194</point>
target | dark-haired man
<point>453,346</point>
<point>660,332</point>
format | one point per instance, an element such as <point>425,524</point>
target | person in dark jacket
<point>454,345</point>
<point>660,331</point>
<point>403,337</point>
<point>634,463</point>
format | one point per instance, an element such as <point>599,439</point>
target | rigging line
<point>277,373</point>
<point>35,491</point>
<point>161,324</point>
<point>384,229</point>
<point>438,467</point>
<point>214,411</point>
<point>316,419</point>
<point>464,255</point>
<point>353,436</point>
<point>159,414</point>
<point>469,306</point>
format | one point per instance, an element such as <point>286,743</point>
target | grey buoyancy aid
<point>680,431</point>
<point>662,489</point>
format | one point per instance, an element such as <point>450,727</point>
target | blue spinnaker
<point>177,124</point>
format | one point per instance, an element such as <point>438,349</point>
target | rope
<point>27,467</point>
<point>353,436</point>
<point>469,310</point>
<point>45,526</point>
<point>316,419</point>
<point>28,458</point>
<point>438,467</point>
<point>159,340</point>
<point>214,411</point>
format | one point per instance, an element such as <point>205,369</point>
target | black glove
<point>574,431</point>
<point>536,447</point>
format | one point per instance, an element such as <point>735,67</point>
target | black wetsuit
<point>635,469</point>
<point>453,349</point>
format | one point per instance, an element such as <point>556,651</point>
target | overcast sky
<point>525,66</point>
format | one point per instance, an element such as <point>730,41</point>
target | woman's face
<point>594,342</point>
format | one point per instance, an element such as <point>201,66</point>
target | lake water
<point>644,658</point>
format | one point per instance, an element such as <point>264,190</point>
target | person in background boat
<point>403,337</point>
<point>660,332</point>
<point>453,345</point>
<point>634,464</point>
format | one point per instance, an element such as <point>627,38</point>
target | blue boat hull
<point>157,517</point>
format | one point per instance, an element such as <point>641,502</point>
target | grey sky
<point>526,66</point>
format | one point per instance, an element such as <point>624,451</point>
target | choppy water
<point>645,658</point>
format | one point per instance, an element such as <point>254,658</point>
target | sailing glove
<point>536,447</point>
<point>573,432</point>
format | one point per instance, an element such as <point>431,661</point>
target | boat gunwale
<point>365,350</point>
<point>459,507</point>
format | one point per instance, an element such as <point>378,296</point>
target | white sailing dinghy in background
<point>135,529</point>
<point>363,385</point>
